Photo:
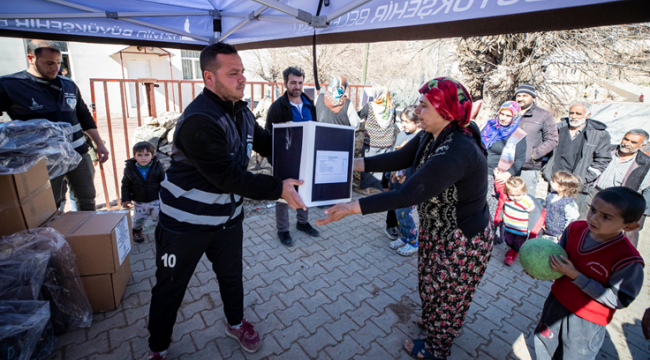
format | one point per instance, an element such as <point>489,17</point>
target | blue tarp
<point>196,23</point>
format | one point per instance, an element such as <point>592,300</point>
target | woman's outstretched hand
<point>339,211</point>
<point>359,164</point>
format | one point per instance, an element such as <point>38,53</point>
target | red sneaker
<point>248,338</point>
<point>510,257</point>
<point>156,355</point>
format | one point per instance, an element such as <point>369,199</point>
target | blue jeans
<point>407,230</point>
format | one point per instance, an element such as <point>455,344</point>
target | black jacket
<point>541,136</point>
<point>136,188</point>
<point>594,156</point>
<point>494,155</point>
<point>280,110</point>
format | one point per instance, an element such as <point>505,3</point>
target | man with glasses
<point>583,148</point>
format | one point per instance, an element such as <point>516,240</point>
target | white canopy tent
<point>193,24</point>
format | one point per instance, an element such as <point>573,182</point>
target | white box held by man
<point>320,154</point>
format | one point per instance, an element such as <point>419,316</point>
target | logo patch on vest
<point>72,102</point>
<point>598,268</point>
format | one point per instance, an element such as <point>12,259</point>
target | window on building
<point>65,69</point>
<point>191,65</point>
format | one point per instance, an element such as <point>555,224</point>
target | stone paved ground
<point>345,295</point>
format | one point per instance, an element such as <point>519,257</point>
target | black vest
<point>190,203</point>
<point>635,178</point>
<point>31,100</point>
<point>325,115</point>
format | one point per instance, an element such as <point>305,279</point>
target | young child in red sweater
<point>603,272</point>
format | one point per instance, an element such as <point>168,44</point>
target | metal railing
<point>119,145</point>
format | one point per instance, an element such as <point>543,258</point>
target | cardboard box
<point>105,291</point>
<point>100,240</point>
<point>320,154</point>
<point>26,199</point>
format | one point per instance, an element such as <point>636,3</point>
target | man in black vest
<point>629,167</point>
<point>201,199</point>
<point>39,93</point>
<point>294,106</point>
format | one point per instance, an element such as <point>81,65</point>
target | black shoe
<point>285,238</point>
<point>307,229</point>
<point>138,237</point>
<point>392,233</point>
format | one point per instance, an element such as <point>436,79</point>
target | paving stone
<point>366,334</point>
<point>290,282</point>
<point>287,336</point>
<point>274,288</point>
<point>76,336</point>
<point>290,314</point>
<point>315,301</point>
<point>184,345</point>
<point>311,287</point>
<point>296,352</point>
<point>293,296</point>
<point>203,337</point>
<point>385,320</point>
<point>315,343</point>
<point>315,320</point>
<point>227,347</point>
<point>346,349</point>
<point>135,314</point>
<point>357,295</point>
<point>469,341</point>
<point>333,276</point>
<point>361,314</point>
<point>338,307</point>
<point>271,276</point>
<point>481,326</point>
<point>121,352</point>
<point>195,323</point>
<point>263,310</point>
<point>335,291</point>
<point>122,335</point>
<point>312,271</point>
<point>204,303</point>
<point>98,345</point>
<point>341,327</point>
<point>196,292</point>
<point>269,347</point>
<point>210,351</point>
<point>275,262</point>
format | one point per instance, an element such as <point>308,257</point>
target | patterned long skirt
<point>449,272</point>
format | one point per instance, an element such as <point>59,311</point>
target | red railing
<point>120,147</point>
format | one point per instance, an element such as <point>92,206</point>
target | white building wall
<point>14,57</point>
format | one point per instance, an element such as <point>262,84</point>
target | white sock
<point>235,326</point>
<point>162,353</point>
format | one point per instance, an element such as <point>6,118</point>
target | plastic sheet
<point>23,143</point>
<point>22,274</point>
<point>21,326</point>
<point>62,285</point>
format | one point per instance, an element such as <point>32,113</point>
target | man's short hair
<point>630,204</point>
<point>641,132</point>
<point>143,146</point>
<point>36,47</point>
<point>208,56</point>
<point>292,70</point>
<point>584,104</point>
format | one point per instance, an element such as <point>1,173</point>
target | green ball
<point>534,256</point>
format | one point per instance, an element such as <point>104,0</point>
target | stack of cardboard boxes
<point>101,241</point>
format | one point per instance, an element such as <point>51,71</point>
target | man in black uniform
<point>201,199</point>
<point>38,93</point>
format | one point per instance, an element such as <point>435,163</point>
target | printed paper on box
<point>123,239</point>
<point>331,167</point>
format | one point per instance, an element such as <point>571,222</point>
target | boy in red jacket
<point>603,272</point>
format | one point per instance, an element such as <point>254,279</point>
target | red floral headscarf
<point>450,99</point>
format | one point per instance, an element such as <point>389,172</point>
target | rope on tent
<point>320,6</point>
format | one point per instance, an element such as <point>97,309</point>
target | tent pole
<point>365,64</point>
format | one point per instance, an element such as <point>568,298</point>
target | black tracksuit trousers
<point>176,258</point>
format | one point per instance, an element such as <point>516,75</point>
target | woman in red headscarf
<point>449,185</point>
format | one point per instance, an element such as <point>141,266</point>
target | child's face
<point>605,221</point>
<point>556,187</point>
<point>515,194</point>
<point>143,158</point>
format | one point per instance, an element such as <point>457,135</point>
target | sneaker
<point>138,237</point>
<point>396,244</point>
<point>392,233</point>
<point>510,257</point>
<point>307,229</point>
<point>285,238</point>
<point>248,338</point>
<point>407,250</point>
<point>158,355</point>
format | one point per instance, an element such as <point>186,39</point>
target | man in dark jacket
<point>201,199</point>
<point>143,174</point>
<point>629,167</point>
<point>39,93</point>
<point>583,149</point>
<point>295,106</point>
<point>541,135</point>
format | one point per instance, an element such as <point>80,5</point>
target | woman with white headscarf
<point>334,107</point>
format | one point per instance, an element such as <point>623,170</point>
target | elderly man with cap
<point>541,135</point>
